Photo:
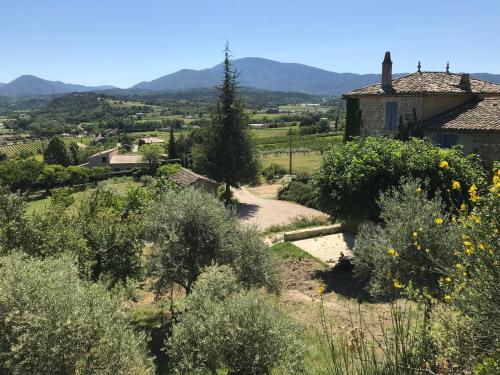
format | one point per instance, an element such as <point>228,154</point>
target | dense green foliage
<point>31,174</point>
<point>227,327</point>
<point>405,247</point>
<point>353,122</point>
<point>104,234</point>
<point>351,176</point>
<point>52,322</point>
<point>192,230</point>
<point>299,192</point>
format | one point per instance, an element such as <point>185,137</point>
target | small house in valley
<point>113,159</point>
<point>449,108</point>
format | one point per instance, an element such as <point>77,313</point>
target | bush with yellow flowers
<point>401,251</point>
<point>472,282</point>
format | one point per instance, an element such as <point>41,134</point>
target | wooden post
<point>290,152</point>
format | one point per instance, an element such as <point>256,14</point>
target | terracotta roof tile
<point>186,177</point>
<point>476,115</point>
<point>429,83</point>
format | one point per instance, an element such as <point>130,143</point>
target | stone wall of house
<point>437,104</point>
<point>373,112</point>
<point>485,144</point>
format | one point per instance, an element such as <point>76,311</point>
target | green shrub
<point>472,280</point>
<point>299,192</point>
<point>167,170</point>
<point>403,249</point>
<point>227,327</point>
<point>54,323</point>
<point>351,176</point>
<point>273,170</point>
<point>192,230</point>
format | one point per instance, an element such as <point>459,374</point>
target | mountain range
<point>253,72</point>
<point>28,85</point>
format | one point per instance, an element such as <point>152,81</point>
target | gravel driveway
<point>268,212</point>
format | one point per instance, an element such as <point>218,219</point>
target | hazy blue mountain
<point>265,74</point>
<point>254,72</point>
<point>275,76</point>
<point>2,84</point>
<point>28,85</point>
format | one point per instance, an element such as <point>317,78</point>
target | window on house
<point>446,139</point>
<point>104,159</point>
<point>391,115</point>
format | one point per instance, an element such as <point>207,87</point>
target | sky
<point>123,42</point>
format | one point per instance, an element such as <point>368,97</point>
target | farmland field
<point>300,163</point>
<point>35,147</point>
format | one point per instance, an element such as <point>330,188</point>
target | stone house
<point>112,159</point>
<point>446,107</point>
<point>186,177</point>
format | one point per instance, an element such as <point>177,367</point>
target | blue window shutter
<point>391,115</point>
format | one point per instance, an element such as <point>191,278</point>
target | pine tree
<point>172,147</point>
<point>56,152</point>
<point>227,153</point>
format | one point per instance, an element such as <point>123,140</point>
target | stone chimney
<point>465,82</point>
<point>387,72</point>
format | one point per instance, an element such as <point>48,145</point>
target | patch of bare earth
<point>343,299</point>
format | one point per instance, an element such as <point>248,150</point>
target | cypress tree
<point>228,154</point>
<point>172,147</point>
<point>56,152</point>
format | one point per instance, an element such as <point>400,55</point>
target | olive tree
<point>191,230</point>
<point>52,322</point>
<point>229,327</point>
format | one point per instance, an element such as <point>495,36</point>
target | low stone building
<point>187,178</point>
<point>112,159</point>
<point>448,108</point>
<point>151,140</point>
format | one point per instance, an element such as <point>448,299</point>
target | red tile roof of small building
<point>435,83</point>
<point>186,177</point>
<point>477,115</point>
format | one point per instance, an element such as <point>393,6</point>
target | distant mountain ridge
<point>28,85</point>
<point>254,72</point>
<point>275,76</point>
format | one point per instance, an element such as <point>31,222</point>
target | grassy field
<point>300,163</point>
<point>118,185</point>
<point>15,150</point>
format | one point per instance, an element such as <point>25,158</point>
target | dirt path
<point>268,212</point>
<point>328,248</point>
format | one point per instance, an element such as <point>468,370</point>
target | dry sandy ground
<point>328,248</point>
<point>268,212</point>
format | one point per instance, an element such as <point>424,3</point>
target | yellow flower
<point>447,280</point>
<point>469,251</point>
<point>473,193</point>
<point>463,207</point>
<point>439,221</point>
<point>475,219</point>
<point>392,252</point>
<point>444,164</point>
<point>415,234</point>
<point>321,288</point>
<point>459,266</point>
<point>418,190</point>
<point>467,243</point>
<point>455,185</point>
<point>447,297</point>
<point>482,246</point>
<point>453,219</point>
<point>397,284</point>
